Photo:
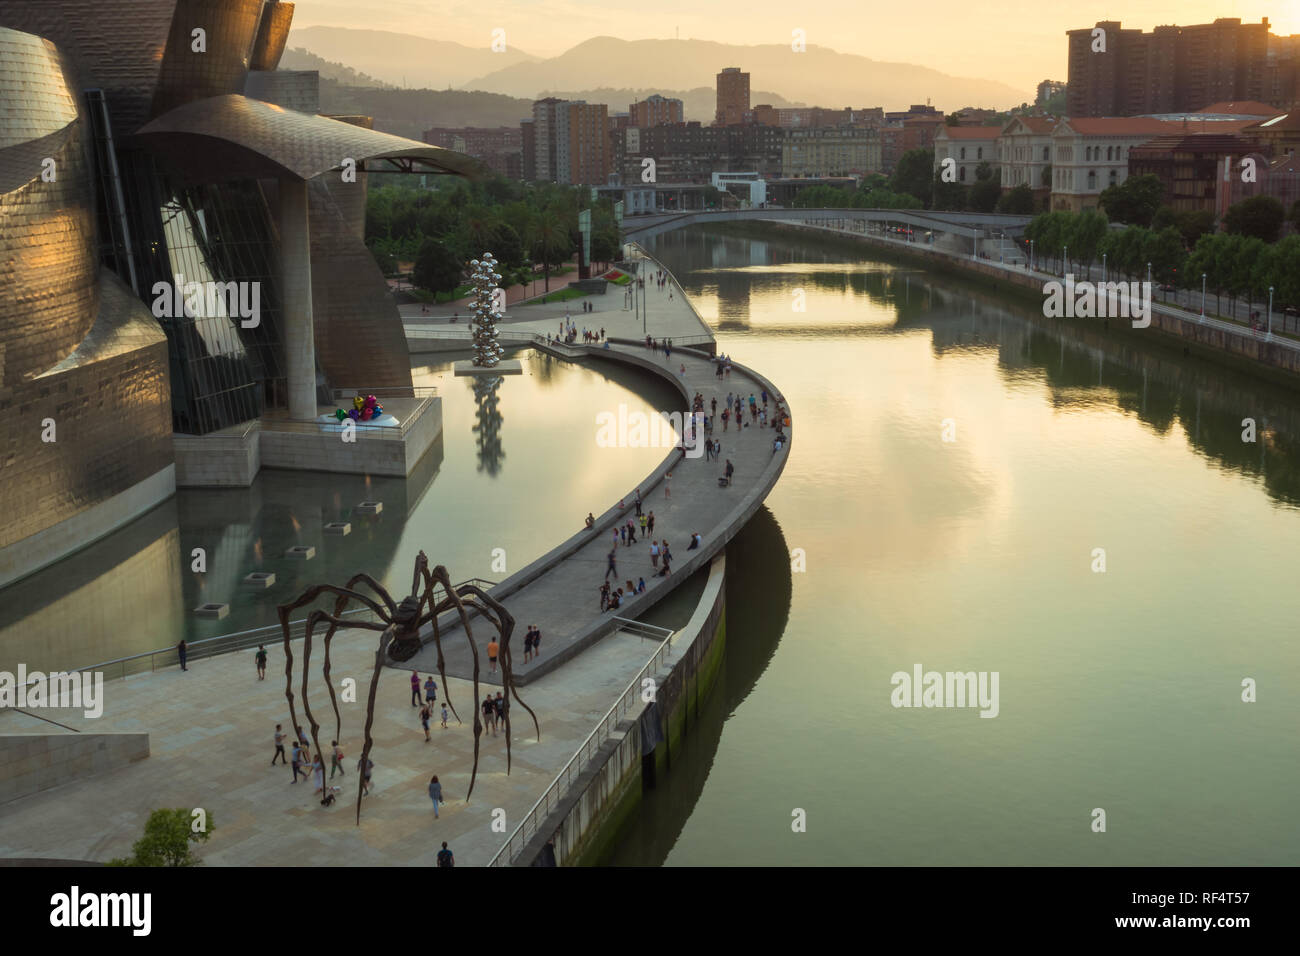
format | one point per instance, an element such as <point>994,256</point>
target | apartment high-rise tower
<point>733,97</point>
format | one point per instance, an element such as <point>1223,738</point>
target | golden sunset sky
<point>1016,41</point>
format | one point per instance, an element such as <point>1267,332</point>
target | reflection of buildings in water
<point>121,595</point>
<point>487,428</point>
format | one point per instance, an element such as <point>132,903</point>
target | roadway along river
<point>1119,690</point>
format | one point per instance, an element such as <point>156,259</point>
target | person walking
<point>445,856</point>
<point>631,532</point>
<point>444,716</point>
<point>500,705</point>
<point>731,470</point>
<point>297,761</point>
<point>279,747</point>
<point>650,523</point>
<point>654,555</point>
<point>261,662</point>
<point>318,774</point>
<point>622,531</point>
<point>489,714</point>
<point>537,639</point>
<point>430,690</point>
<point>613,568</point>
<point>642,521</point>
<point>415,688</point>
<point>365,767</point>
<point>668,485</point>
<point>181,651</point>
<point>336,761</point>
<point>492,649</point>
<point>425,713</point>
<point>638,502</point>
<point>435,794</point>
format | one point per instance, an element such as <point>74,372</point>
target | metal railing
<point>227,643</point>
<point>630,698</point>
<point>642,629</point>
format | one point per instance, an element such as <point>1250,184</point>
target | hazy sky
<point>1017,41</point>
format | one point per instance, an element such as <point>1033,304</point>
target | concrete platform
<point>504,367</point>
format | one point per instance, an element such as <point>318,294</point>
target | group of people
<point>494,711</point>
<point>722,362</point>
<point>592,336</point>
<point>612,600</point>
<point>302,759</point>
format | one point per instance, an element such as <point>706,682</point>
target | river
<point>1119,690</point>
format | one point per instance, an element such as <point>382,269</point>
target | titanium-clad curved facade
<point>85,415</point>
<point>47,240</point>
<point>134,167</point>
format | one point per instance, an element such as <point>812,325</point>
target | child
<point>444,716</point>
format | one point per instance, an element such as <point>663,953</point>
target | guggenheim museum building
<point>153,144</point>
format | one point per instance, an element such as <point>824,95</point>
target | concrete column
<point>295,283</point>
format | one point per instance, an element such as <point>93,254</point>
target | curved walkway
<point>560,591</point>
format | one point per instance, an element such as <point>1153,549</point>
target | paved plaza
<point>211,728</point>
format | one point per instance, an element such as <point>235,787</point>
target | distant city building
<point>656,110</point>
<point>976,117</point>
<point>691,152</point>
<point>733,97</point>
<point>1172,68</point>
<point>500,148</point>
<point>545,120</point>
<point>1279,135</point>
<point>967,147</point>
<point>842,151</point>
<point>1191,166</point>
<point>1025,153</point>
<point>1047,89</point>
<point>528,150</point>
<point>1279,178</point>
<point>571,142</point>
<point>1089,154</point>
<point>588,144</point>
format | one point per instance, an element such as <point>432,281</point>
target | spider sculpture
<point>399,625</point>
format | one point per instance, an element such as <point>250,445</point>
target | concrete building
<point>1279,135</point>
<point>499,148</point>
<point>691,152</point>
<point>1025,153</point>
<point>733,97</point>
<point>1193,167</point>
<point>968,147</point>
<point>546,120</point>
<point>1089,154</point>
<point>1170,69</point>
<point>842,151</point>
<point>1047,89</point>
<point>656,110</point>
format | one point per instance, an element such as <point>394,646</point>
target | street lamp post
<point>1270,310</point>
<point>1031,255</point>
<point>1103,267</point>
<point>1202,295</point>
<point>1065,260</point>
<point>1148,275</point>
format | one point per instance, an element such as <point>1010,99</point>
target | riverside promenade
<point>560,591</point>
<point>211,728</point>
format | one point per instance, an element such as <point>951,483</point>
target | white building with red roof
<point>967,147</point>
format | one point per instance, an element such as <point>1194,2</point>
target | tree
<point>984,194</point>
<point>1134,201</point>
<point>437,268</point>
<point>1294,216</point>
<point>551,245</point>
<point>949,196</point>
<point>167,838</point>
<point>1085,234</point>
<point>1164,250</point>
<point>1017,202</point>
<point>1258,216</point>
<point>914,174</point>
<point>886,199</point>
